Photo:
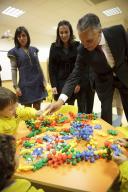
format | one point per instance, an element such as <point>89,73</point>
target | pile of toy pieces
<point>52,142</point>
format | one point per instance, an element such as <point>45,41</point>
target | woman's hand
<point>54,91</point>
<point>18,92</point>
<point>77,89</point>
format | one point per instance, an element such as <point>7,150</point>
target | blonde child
<point>11,114</point>
<point>8,166</point>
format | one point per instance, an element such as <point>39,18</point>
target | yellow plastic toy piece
<point>25,167</point>
<point>65,109</point>
<point>24,151</point>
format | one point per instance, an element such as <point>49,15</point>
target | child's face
<point>9,111</point>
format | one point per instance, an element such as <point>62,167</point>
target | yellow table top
<point>85,176</point>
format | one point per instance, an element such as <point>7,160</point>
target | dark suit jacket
<point>117,40</point>
<point>61,64</point>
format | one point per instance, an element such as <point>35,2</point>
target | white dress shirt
<point>107,51</point>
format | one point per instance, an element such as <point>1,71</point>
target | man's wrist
<point>61,101</point>
<point>63,97</point>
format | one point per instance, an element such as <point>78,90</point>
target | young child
<point>122,161</point>
<point>8,166</point>
<point>10,114</point>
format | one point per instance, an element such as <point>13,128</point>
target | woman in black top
<point>62,58</point>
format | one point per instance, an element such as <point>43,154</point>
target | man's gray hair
<point>89,20</point>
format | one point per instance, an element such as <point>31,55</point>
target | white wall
<point>5,45</point>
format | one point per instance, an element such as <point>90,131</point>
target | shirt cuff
<point>63,97</point>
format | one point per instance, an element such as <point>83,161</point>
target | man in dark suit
<point>106,50</point>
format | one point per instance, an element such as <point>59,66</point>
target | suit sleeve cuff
<point>63,97</point>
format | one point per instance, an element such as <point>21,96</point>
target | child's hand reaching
<point>122,142</point>
<point>119,159</point>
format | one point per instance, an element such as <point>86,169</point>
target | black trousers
<point>106,101</point>
<point>85,100</point>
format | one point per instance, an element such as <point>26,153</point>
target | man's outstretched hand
<point>53,107</point>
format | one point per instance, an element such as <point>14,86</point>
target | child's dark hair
<point>72,37</point>
<point>18,31</point>
<point>7,159</point>
<point>7,97</point>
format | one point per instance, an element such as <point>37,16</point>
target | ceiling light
<point>113,11</point>
<point>11,11</point>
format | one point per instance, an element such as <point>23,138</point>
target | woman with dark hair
<point>62,58</point>
<point>31,86</point>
